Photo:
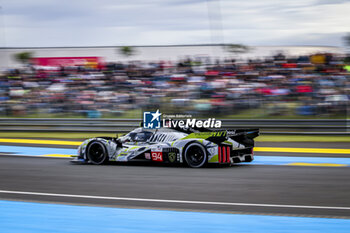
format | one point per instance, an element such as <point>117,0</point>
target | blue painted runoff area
<point>35,151</point>
<point>284,160</point>
<point>258,160</point>
<point>27,217</point>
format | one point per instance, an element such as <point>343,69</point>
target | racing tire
<point>195,155</point>
<point>97,153</point>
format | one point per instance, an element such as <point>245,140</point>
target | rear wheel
<point>195,155</point>
<point>97,153</point>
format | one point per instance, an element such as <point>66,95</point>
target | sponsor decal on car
<point>172,157</point>
<point>157,156</point>
<point>147,155</point>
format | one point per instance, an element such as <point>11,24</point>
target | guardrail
<point>267,126</point>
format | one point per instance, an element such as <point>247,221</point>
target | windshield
<point>140,136</point>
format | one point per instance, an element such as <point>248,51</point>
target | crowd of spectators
<point>277,86</point>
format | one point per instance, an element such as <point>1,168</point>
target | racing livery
<point>194,147</point>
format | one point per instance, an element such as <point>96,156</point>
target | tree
<point>127,51</point>
<point>237,48</point>
<point>23,57</point>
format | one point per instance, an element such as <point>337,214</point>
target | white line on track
<point>174,201</point>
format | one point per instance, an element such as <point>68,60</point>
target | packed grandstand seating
<point>277,86</point>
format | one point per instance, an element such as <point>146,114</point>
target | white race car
<point>194,147</point>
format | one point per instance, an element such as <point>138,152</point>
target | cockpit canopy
<point>137,135</point>
<point>149,135</point>
<point>140,136</point>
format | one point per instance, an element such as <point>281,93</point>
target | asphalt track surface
<point>291,190</point>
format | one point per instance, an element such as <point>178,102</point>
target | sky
<point>51,23</point>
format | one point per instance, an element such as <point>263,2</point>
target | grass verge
<point>302,138</point>
<point>53,135</point>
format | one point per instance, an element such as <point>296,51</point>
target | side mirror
<point>119,143</point>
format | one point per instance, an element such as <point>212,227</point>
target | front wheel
<point>195,155</point>
<point>97,153</point>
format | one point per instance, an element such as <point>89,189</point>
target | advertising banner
<point>92,62</point>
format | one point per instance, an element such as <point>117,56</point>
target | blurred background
<point>279,86</point>
<point>204,58</point>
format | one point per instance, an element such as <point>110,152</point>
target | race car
<point>194,147</point>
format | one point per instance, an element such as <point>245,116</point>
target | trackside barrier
<point>266,126</point>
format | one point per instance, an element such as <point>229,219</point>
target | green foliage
<point>237,48</point>
<point>127,51</point>
<point>23,57</point>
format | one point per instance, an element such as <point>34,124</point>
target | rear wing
<point>249,133</point>
<point>213,136</point>
<point>244,136</point>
